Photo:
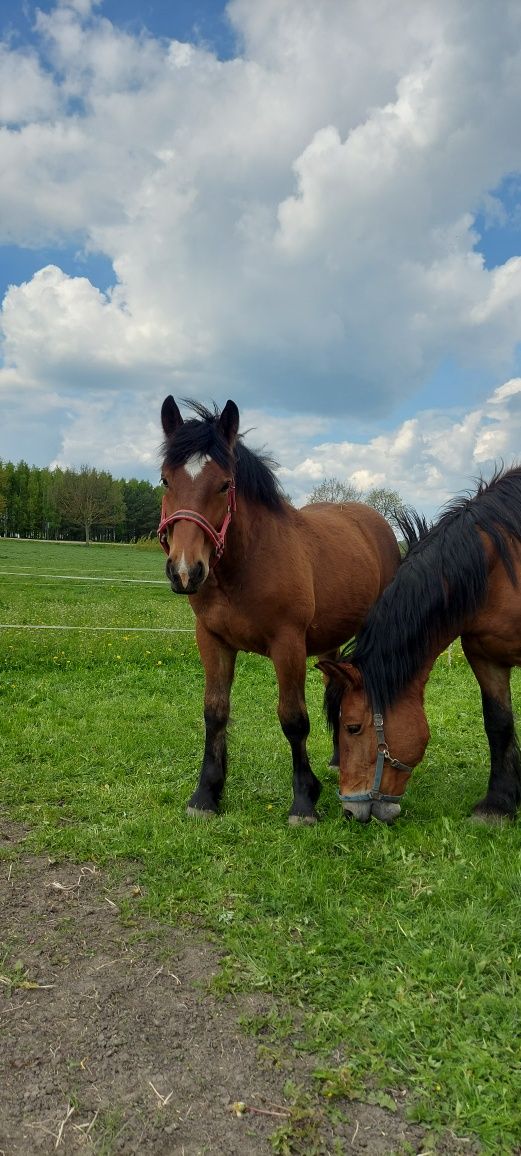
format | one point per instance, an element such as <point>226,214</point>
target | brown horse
<point>461,576</point>
<point>271,579</point>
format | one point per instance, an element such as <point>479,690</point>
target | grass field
<point>400,947</point>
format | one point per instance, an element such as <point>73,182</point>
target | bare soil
<point>111,1042</point>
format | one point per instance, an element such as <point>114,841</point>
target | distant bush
<point>148,542</point>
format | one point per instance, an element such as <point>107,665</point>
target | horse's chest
<point>238,630</point>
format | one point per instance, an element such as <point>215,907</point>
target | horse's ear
<point>170,416</point>
<point>229,422</point>
<point>343,672</point>
<point>353,676</point>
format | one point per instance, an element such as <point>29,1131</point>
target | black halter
<point>382,757</point>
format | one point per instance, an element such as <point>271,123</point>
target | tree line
<point>90,505</point>
<point>85,504</point>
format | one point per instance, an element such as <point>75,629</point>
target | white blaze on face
<point>196,464</point>
<point>193,466</point>
<point>182,570</point>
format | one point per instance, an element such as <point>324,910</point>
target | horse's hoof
<point>302,820</point>
<point>200,813</point>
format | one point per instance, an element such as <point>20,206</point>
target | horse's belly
<point>320,638</point>
<point>335,624</point>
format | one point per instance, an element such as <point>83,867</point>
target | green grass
<point>399,947</point>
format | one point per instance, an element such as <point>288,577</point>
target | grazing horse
<point>460,576</point>
<point>261,576</point>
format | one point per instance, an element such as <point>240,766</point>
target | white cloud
<point>62,328</point>
<point>293,227</point>
<point>427,458</point>
<point>27,92</point>
<point>123,439</point>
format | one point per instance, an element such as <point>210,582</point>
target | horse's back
<point>354,555</point>
<point>356,531</point>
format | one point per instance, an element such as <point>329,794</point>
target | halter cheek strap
<point>382,757</point>
<point>217,537</point>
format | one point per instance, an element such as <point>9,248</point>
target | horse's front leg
<point>219,665</point>
<point>333,656</point>
<point>288,655</point>
<point>504,788</point>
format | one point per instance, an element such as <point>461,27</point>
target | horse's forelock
<point>203,437</point>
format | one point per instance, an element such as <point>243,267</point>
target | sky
<point>310,206</point>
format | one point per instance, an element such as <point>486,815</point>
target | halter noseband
<point>216,536</point>
<point>382,757</point>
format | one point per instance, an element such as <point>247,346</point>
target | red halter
<point>216,536</point>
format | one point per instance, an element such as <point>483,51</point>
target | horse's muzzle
<point>188,580</point>
<point>376,809</point>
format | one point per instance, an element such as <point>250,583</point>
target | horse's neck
<point>418,683</point>
<point>248,531</point>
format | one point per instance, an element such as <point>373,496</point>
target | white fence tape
<point>85,578</point>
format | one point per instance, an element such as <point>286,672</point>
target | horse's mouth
<point>190,588</point>
<point>378,809</point>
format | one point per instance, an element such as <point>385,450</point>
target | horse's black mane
<point>441,582</point>
<point>253,471</point>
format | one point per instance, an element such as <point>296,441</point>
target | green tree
<point>333,490</point>
<point>387,502</point>
<point>3,496</point>
<point>9,492</point>
<point>89,498</point>
<point>19,505</point>
<point>49,512</point>
<point>142,502</point>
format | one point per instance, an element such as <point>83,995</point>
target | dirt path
<point>111,1043</point>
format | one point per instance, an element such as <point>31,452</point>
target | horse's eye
<point>164,481</point>
<point>353,728</point>
<point>224,488</point>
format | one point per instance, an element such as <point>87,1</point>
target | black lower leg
<point>213,771</point>
<point>306,786</point>
<point>504,789</point>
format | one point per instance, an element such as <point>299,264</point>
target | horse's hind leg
<point>504,789</point>
<point>333,656</point>
<point>288,655</point>
<point>219,666</point>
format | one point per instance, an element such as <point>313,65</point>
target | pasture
<point>395,951</point>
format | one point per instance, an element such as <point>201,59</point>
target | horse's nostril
<point>385,811</point>
<point>361,811</point>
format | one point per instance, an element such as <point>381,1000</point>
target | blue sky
<point>202,21</point>
<point>290,203</point>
